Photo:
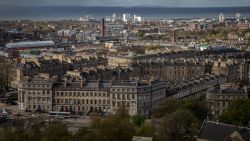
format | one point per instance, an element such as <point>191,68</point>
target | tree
<point>56,131</point>
<point>197,108</point>
<point>238,113</point>
<point>168,107</point>
<point>117,127</point>
<point>178,126</point>
<point>146,130</point>
<point>153,47</point>
<point>7,74</point>
<point>138,120</point>
<point>84,134</point>
<point>180,119</point>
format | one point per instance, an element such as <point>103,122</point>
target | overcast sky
<point>167,3</point>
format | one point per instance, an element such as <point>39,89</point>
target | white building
<point>126,17</point>
<point>137,18</point>
<point>238,16</point>
<point>221,18</point>
<point>66,33</point>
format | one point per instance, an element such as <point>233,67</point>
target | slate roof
<point>214,131</point>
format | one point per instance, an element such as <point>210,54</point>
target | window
<point>133,96</point>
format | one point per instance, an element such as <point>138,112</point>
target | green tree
<point>146,130</point>
<point>84,134</point>
<point>7,74</point>
<point>138,120</point>
<point>56,131</point>
<point>168,107</point>
<point>238,113</point>
<point>117,127</point>
<point>197,108</point>
<point>33,134</point>
<point>178,126</point>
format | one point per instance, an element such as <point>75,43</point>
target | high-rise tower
<point>221,18</point>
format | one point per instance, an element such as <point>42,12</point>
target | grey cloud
<point>168,3</point>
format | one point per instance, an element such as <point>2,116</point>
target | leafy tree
<point>56,131</point>
<point>238,113</point>
<point>197,108</point>
<point>153,47</point>
<point>138,120</point>
<point>33,134</point>
<point>84,134</point>
<point>178,126</point>
<point>141,34</point>
<point>7,134</point>
<point>146,130</point>
<point>117,127</point>
<point>7,74</point>
<point>168,107</point>
<point>181,119</point>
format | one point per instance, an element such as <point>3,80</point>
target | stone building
<point>176,70</point>
<point>218,99</point>
<point>85,96</point>
<point>195,88</point>
<point>139,96</point>
<point>171,70</point>
<point>82,96</point>
<point>228,67</point>
<point>35,94</point>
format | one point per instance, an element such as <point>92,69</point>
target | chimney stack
<point>103,28</point>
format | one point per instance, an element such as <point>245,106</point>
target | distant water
<point>73,12</point>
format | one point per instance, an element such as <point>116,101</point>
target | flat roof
<point>30,44</point>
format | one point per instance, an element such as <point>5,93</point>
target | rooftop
<point>215,131</point>
<point>30,44</point>
<point>231,91</point>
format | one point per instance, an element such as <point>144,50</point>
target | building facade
<point>218,99</point>
<point>230,68</point>
<point>85,96</point>
<point>35,95</point>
